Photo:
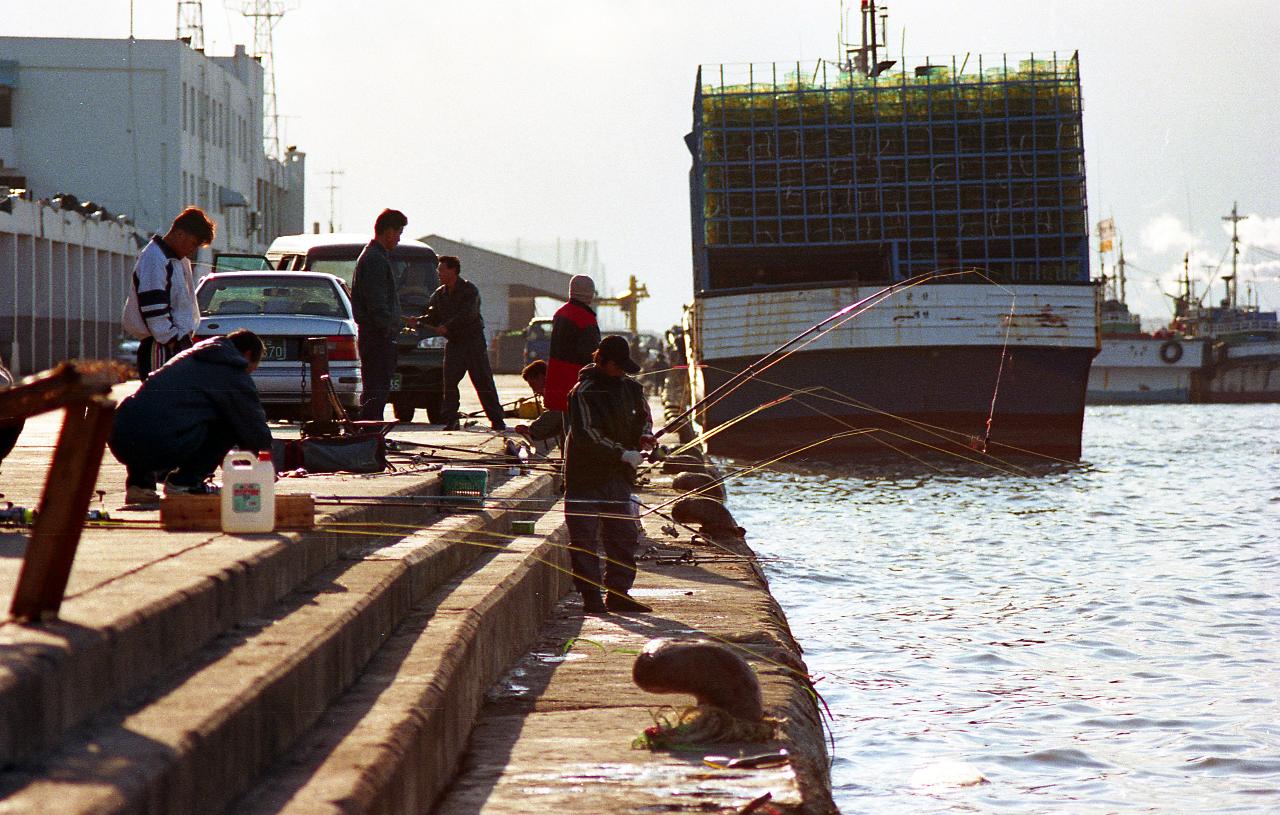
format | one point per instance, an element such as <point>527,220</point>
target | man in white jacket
<point>161,310</point>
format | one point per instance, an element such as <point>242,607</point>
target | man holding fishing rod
<point>609,427</point>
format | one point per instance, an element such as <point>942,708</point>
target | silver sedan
<point>284,309</point>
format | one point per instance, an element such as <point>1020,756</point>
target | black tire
<point>435,413</point>
<point>9,433</point>
<point>1171,352</point>
<point>403,411</point>
<point>284,413</point>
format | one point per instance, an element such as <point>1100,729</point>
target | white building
<point>144,128</point>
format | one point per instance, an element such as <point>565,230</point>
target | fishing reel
<point>15,515</point>
<point>658,454</point>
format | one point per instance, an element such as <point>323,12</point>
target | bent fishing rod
<point>782,350</point>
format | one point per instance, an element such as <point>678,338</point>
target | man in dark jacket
<point>375,298</point>
<point>453,312</point>
<point>574,336</point>
<point>609,424</point>
<point>188,415</point>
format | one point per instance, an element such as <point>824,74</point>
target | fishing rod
<point>817,328</point>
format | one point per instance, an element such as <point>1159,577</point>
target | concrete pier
<point>394,659</point>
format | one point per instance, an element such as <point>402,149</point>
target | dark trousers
<point>151,354</point>
<point>377,364</point>
<point>469,357</point>
<point>617,534</point>
<point>145,463</point>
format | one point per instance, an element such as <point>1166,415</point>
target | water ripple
<point>1090,638</point>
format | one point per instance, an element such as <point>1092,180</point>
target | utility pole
<point>333,186</point>
<point>1235,218</point>
<point>265,14</point>
<point>191,23</point>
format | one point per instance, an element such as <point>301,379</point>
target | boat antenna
<point>1120,270</point>
<point>1235,218</point>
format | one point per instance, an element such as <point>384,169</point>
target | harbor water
<point>1090,638</point>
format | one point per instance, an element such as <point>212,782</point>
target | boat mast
<point>1232,282</point>
<point>1120,270</point>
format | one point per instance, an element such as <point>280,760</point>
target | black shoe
<point>624,602</point>
<point>592,604</point>
<point>454,425</point>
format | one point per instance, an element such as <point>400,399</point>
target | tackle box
<point>464,486</point>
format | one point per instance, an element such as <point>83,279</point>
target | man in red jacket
<point>574,336</point>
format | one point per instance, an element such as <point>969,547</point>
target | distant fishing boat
<point>1136,366</point>
<point>815,186</point>
<point>1207,354</point>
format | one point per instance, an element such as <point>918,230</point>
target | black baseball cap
<point>616,349</point>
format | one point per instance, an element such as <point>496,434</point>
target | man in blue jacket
<point>375,299</point>
<point>188,415</point>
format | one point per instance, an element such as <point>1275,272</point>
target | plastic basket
<point>464,486</point>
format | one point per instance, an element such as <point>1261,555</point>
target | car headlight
<point>431,342</point>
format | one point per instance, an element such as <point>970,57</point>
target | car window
<point>270,295</point>
<point>344,269</point>
<point>416,279</point>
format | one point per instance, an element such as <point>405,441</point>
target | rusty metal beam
<point>68,383</point>
<point>68,489</point>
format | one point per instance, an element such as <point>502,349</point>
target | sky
<point>544,119</point>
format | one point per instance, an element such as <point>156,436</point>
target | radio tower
<point>265,14</point>
<point>191,23</point>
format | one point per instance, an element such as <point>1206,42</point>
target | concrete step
<point>131,629</point>
<point>394,740</point>
<point>195,739</point>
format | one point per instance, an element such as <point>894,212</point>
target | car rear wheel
<point>284,413</point>
<point>435,413</point>
<point>403,411</point>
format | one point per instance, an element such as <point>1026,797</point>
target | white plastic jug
<point>248,492</point>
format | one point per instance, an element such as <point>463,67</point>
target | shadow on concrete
<point>501,719</point>
<point>13,544</point>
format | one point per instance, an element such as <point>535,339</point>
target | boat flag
<point>1106,234</point>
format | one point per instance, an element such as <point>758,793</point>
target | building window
<point>6,106</point>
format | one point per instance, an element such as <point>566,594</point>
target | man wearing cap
<point>574,336</point>
<point>609,426</point>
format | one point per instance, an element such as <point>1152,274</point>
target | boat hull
<point>918,400</point>
<point>1144,370</point>
<point>1243,374</point>
<point>918,370</point>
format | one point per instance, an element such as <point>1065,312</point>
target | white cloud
<point>1165,232</point>
<point>1258,230</point>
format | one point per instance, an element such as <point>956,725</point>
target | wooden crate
<point>200,513</point>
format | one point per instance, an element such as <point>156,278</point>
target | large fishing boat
<point>816,186</point>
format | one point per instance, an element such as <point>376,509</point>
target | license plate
<point>395,382</point>
<point>273,349</point>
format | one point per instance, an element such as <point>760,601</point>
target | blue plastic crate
<point>464,486</point>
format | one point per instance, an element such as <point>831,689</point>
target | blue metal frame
<point>964,170</point>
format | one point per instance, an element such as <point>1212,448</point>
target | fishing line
<point>804,338</point>
<point>821,328</point>
<point>943,433</point>
<point>774,460</point>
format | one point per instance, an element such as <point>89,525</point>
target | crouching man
<point>188,415</point>
<point>609,424</point>
<point>548,426</point>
